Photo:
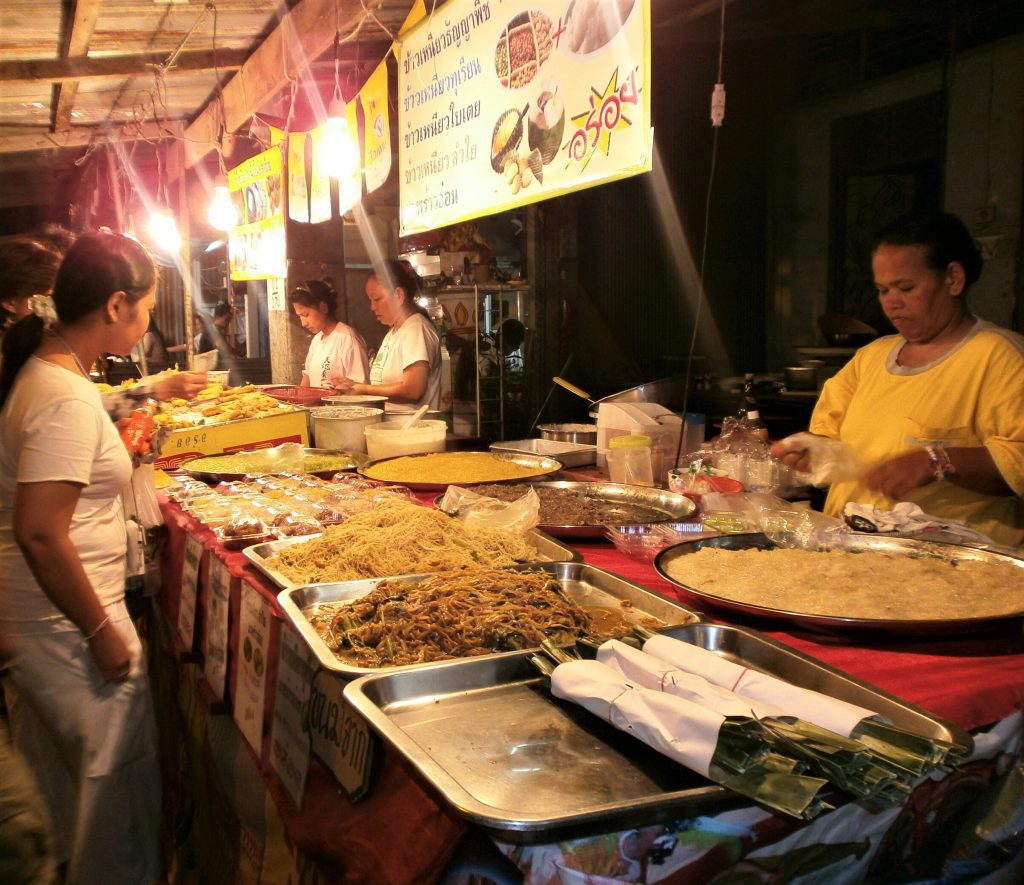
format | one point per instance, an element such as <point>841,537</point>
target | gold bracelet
<point>89,637</point>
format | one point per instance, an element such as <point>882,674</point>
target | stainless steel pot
<point>801,377</point>
<point>581,434</point>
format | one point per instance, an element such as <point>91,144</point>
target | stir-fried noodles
<point>447,615</point>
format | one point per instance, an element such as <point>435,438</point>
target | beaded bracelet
<point>939,458</point>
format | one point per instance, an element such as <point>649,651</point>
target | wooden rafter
<point>68,70</point>
<point>305,33</point>
<point>76,45</point>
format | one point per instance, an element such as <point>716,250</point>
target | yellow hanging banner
<point>298,189</point>
<point>256,245</point>
<point>376,128</point>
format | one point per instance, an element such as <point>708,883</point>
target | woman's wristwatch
<point>939,458</point>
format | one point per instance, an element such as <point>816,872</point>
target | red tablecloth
<point>971,684</point>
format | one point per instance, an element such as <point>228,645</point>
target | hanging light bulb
<point>163,230</point>
<point>339,153</point>
<point>223,214</point>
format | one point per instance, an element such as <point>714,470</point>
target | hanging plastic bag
<point>480,511</point>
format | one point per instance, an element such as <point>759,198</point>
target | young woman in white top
<point>76,687</point>
<point>336,349</point>
<point>407,366</point>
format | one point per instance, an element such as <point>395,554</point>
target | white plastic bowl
<point>388,440</point>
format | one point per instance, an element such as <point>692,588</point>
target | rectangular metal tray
<point>586,584</point>
<point>570,454</point>
<point>490,738</point>
<point>548,550</point>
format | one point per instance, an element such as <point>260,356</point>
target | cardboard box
<point>234,436</point>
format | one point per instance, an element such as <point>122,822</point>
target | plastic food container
<point>388,440</point>
<point>629,460</point>
<point>341,427</point>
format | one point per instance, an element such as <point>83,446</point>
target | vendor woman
<point>407,367</point>
<point>336,349</point>
<point>936,410</point>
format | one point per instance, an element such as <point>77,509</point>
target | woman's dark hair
<point>313,292</point>
<point>94,268</point>
<point>56,236</point>
<point>401,275</point>
<point>27,267</point>
<point>945,239</point>
<point>222,309</point>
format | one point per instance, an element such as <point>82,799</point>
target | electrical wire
<point>704,243</point>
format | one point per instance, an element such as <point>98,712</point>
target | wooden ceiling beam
<point>66,70</point>
<point>305,33</point>
<point>76,45</point>
<point>82,136</point>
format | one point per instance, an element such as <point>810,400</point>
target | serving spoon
<point>415,416</point>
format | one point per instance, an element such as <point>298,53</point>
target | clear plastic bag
<point>831,460</point>
<point>480,511</point>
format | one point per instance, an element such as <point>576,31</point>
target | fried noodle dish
<point>449,615</point>
<point>398,538</point>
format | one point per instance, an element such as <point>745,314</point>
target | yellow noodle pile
<point>450,467</point>
<point>398,538</point>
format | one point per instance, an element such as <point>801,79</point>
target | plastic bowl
<point>388,439</point>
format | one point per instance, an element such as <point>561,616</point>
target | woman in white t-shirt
<point>407,366</point>
<point>336,349</point>
<point>76,687</point>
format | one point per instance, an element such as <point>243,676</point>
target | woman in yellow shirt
<point>937,410</point>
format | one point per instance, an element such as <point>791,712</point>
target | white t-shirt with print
<point>414,341</point>
<point>53,428</point>
<point>343,352</point>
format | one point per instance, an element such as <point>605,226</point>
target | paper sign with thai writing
<point>189,588</point>
<point>218,594</point>
<point>256,245</point>
<point>289,737</point>
<point>376,128</point>
<point>507,102</point>
<point>277,295</point>
<point>340,736</point>
<point>252,655</point>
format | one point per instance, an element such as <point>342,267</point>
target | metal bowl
<point>581,434</point>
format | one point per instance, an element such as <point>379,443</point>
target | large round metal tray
<point>670,506</point>
<point>539,464</point>
<point>210,473</point>
<point>833,624</point>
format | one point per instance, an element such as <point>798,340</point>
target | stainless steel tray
<point>570,454</point>
<point>833,624</point>
<point>347,461</point>
<point>488,736</point>
<point>548,550</point>
<point>540,466</point>
<point>586,584</point>
<point>672,506</point>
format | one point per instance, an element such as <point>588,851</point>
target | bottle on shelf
<point>749,413</point>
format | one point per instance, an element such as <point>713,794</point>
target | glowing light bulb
<point>339,153</point>
<point>163,230</point>
<point>223,214</point>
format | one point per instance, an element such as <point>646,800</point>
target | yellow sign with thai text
<point>504,103</point>
<point>376,128</point>
<point>256,245</point>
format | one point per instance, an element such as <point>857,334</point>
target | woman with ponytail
<point>76,688</point>
<point>336,349</point>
